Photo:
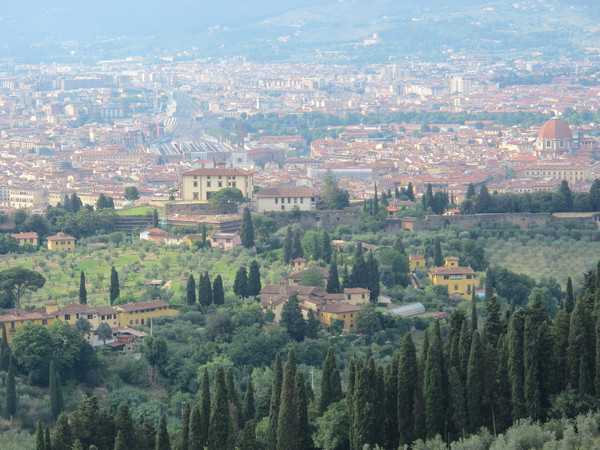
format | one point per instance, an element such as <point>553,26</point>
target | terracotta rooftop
<point>457,270</point>
<point>555,128</point>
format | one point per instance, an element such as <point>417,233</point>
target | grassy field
<point>139,211</point>
<point>544,256</point>
<point>134,265</point>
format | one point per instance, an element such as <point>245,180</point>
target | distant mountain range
<point>294,30</point>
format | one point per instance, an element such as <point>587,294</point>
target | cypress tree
<point>373,280</point>
<point>39,437</point>
<point>115,290</point>
<point>208,288</point>
<point>560,345</point>
<point>326,247</point>
<point>124,425</point>
<point>62,437</point>
<point>365,402</point>
<point>155,218</point>
<point>316,248</point>
<point>474,314</point>
<point>197,439</point>
<point>275,400</point>
<point>346,283</point>
<point>333,279</point>
<point>82,289</point>
<point>464,351</point>
<point>77,445</point>
<point>375,201</point>
<point>5,353</point>
<point>254,284</point>
<point>76,203</point>
<point>410,192</point>
<point>248,438</point>
<point>569,299</point>
<point>220,432</point>
<point>297,250</point>
<point>205,296</point>
<point>120,442</point>
<point>331,385</point>
<point>408,376</point>
<point>10,407</point>
<point>218,292</point>
<point>47,441</point>
<point>359,277</point>
<point>233,401</point>
<point>56,395</point>
<point>292,319</point>
<point>581,341</point>
<point>531,387</point>
<point>248,411</point>
<point>185,428</point>
<point>475,382</point>
<point>204,409</point>
<point>288,246</point>
<point>516,364</point>
<point>493,327</point>
<point>162,435</point>
<point>312,325</point>
<point>438,259</point>
<point>390,403</point>
<point>190,291</point>
<point>240,283</point>
<point>247,229</point>
<point>433,389</point>
<point>304,439</point>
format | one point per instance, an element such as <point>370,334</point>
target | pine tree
<point>297,250</point>
<point>254,284</point>
<point>39,437</point>
<point>185,428</point>
<point>407,389</point>
<point>475,382</point>
<point>204,408</point>
<point>240,283</point>
<point>190,291</point>
<point>10,406</point>
<point>333,279</point>
<point>62,437</point>
<point>292,319</point>
<point>82,289</point>
<point>162,435</point>
<point>248,410</point>
<point>220,432</point>
<point>115,290</point>
<point>276,383</point>
<point>438,259</point>
<point>331,385</point>
<point>247,229</point>
<point>373,271</point>
<point>569,300</point>
<point>124,425</point>
<point>218,292</point>
<point>326,247</point>
<point>288,246</point>
<point>433,389</point>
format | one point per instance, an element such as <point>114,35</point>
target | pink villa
<point>226,241</point>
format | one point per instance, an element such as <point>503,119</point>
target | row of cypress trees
<point>208,293</point>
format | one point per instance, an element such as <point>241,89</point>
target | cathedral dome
<point>555,129</point>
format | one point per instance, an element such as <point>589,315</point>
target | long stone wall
<point>319,220</point>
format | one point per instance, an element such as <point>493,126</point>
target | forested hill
<point>293,30</point>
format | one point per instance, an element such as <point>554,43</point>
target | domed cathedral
<point>554,138</point>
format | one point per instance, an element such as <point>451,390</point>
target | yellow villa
<point>133,314</point>
<point>26,238</point>
<point>61,241</point>
<point>415,261</point>
<point>340,311</point>
<point>461,281</point>
<point>12,322</point>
